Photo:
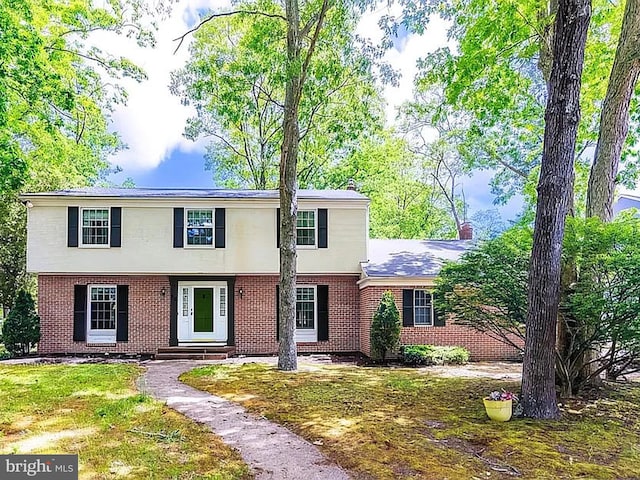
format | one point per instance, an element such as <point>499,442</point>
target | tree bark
<point>287,352</point>
<point>614,126</point>
<point>555,190</point>
<point>614,119</point>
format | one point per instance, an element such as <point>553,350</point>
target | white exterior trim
<point>81,244</point>
<point>100,336</point>
<point>185,236</point>
<point>308,335</point>
<point>425,282</point>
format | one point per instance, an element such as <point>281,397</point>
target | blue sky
<point>153,120</point>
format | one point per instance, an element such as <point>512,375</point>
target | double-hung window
<point>199,227</point>
<point>101,313</point>
<point>422,308</point>
<point>306,313</point>
<point>306,228</point>
<point>95,227</point>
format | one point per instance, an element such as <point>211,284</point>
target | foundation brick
<point>480,345</point>
<point>350,314</point>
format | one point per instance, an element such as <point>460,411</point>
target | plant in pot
<point>499,405</point>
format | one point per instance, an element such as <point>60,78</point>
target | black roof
<point>197,193</point>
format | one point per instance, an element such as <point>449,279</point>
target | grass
<point>405,424</point>
<point>95,411</point>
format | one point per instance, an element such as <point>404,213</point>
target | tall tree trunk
<point>614,126</point>
<point>555,189</point>
<point>614,119</point>
<point>287,353</point>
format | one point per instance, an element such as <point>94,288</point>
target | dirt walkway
<point>273,452</point>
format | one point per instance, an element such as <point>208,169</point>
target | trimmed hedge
<point>434,355</point>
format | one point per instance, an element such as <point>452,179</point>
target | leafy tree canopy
<point>236,81</point>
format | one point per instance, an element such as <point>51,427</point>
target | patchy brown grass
<point>96,412</point>
<point>403,424</point>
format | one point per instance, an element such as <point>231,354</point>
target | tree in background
<point>236,81</point>
<point>435,133</point>
<point>21,329</point>
<point>497,76</point>
<point>614,117</point>
<point>55,102</point>
<point>487,224</point>
<point>385,327</point>
<point>402,206</point>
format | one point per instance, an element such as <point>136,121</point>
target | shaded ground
<point>272,452</point>
<point>95,411</point>
<point>407,423</point>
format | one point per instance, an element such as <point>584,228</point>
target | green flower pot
<point>499,410</point>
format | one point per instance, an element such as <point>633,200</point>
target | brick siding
<point>480,345</point>
<point>350,314</point>
<point>255,314</point>
<point>148,313</point>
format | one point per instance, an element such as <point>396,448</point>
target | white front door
<point>202,312</point>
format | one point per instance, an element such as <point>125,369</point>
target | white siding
<point>147,241</point>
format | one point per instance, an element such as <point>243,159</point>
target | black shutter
<point>322,228</point>
<point>438,315</point>
<point>79,313</point>
<point>323,313</point>
<point>278,228</point>
<point>116,221</point>
<point>122,323</point>
<point>278,312</point>
<point>407,308</point>
<point>220,224</point>
<point>72,226</point>
<point>178,227</point>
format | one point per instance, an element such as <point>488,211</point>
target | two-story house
<point>143,270</point>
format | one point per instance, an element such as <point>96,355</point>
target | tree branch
<point>181,38</point>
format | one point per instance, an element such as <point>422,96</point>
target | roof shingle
<point>412,258</point>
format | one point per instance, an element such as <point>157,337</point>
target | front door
<point>202,312</point>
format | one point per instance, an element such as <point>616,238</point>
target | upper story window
<point>199,227</point>
<point>422,308</point>
<point>95,226</point>
<point>306,228</point>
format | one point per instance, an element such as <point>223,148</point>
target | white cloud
<point>152,122</point>
<point>405,54</point>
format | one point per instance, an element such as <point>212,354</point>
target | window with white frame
<point>199,227</point>
<point>422,308</point>
<point>101,313</point>
<point>306,308</point>
<point>306,228</point>
<point>95,226</point>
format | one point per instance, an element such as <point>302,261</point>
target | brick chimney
<point>351,185</point>
<point>466,231</point>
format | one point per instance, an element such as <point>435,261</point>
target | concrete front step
<point>195,353</point>
<point>191,356</point>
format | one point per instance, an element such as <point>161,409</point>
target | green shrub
<point>385,328</point>
<point>21,329</point>
<point>4,355</point>
<point>434,355</point>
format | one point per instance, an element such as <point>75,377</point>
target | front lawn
<point>95,411</point>
<point>401,423</point>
